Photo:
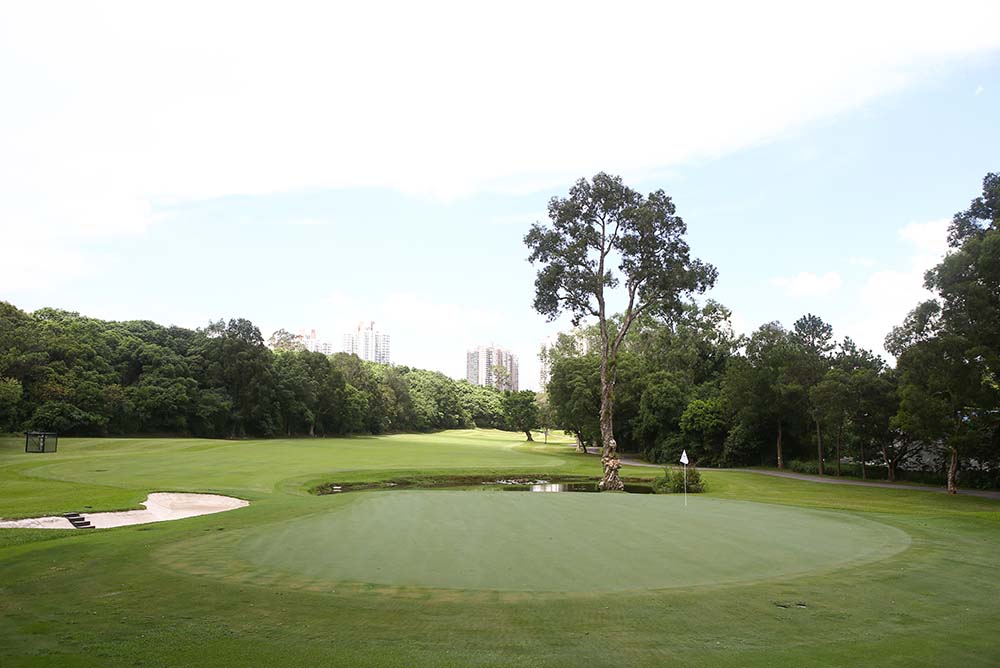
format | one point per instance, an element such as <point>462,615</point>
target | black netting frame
<point>41,441</point>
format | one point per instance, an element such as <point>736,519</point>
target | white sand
<point>37,523</point>
<point>160,507</point>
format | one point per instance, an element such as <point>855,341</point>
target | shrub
<point>797,466</point>
<point>673,481</point>
<point>969,478</point>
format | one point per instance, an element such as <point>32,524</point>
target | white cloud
<point>435,334</point>
<point>740,325</point>
<point>41,269</point>
<point>520,219</point>
<point>310,222</point>
<point>808,284</point>
<point>338,299</point>
<point>930,238</point>
<point>114,109</point>
<point>979,90</point>
<point>888,295</point>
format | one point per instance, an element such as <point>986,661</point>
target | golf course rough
<point>519,541</point>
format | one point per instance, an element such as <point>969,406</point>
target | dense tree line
<point>797,397</point>
<point>77,375</point>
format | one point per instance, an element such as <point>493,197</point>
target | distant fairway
<point>520,541</point>
<point>758,572</point>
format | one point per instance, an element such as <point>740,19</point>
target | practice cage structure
<point>40,441</point>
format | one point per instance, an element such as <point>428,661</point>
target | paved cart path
<point>986,494</point>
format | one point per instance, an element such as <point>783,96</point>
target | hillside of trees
<point>76,375</point>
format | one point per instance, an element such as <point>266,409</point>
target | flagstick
<point>685,485</point>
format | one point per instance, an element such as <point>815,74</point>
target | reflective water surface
<point>572,487</point>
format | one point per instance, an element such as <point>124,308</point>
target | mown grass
<point>149,595</point>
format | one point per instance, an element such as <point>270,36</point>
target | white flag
<point>684,457</point>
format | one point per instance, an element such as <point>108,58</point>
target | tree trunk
<point>890,464</point>
<point>781,459</point>
<point>312,428</point>
<point>819,446</point>
<point>610,482</point>
<point>580,445</point>
<point>528,433</point>
<point>864,468</point>
<point>840,433</point>
<point>953,472</point>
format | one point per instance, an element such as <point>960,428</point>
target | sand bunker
<point>160,507</point>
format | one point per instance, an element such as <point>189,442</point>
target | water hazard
<point>545,486</point>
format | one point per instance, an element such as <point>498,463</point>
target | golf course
<point>417,562</point>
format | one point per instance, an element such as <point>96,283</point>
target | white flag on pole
<point>684,457</point>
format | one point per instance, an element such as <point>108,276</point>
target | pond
<point>571,487</point>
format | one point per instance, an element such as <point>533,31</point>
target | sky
<point>309,166</point>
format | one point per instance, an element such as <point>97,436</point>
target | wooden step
<point>78,521</point>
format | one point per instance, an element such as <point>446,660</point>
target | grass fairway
<point>759,572</point>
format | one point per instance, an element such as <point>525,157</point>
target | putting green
<point>518,541</point>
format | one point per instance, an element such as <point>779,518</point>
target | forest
<point>76,375</point>
<point>787,397</point>
<point>792,397</point>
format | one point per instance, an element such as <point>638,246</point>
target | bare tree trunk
<point>953,472</point>
<point>864,468</point>
<point>781,459</point>
<point>528,433</point>
<point>819,446</point>
<point>890,463</point>
<point>840,433</point>
<point>580,445</point>
<point>609,453</point>
<point>312,428</point>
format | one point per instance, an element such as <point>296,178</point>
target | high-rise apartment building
<point>312,343</point>
<point>368,343</point>
<point>481,367</point>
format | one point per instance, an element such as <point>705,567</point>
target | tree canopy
<point>602,237</point>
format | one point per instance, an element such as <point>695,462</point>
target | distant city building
<point>313,344</point>
<point>368,343</point>
<point>481,363</point>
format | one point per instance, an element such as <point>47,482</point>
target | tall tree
<point>833,398</point>
<point>501,377</point>
<point>875,402</point>
<point>943,400</point>
<point>10,397</point>
<point>767,387</point>
<point>284,341</point>
<point>601,223</point>
<point>949,347</point>
<point>816,339</point>
<point>521,411</point>
<point>546,416</point>
<point>574,393</point>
